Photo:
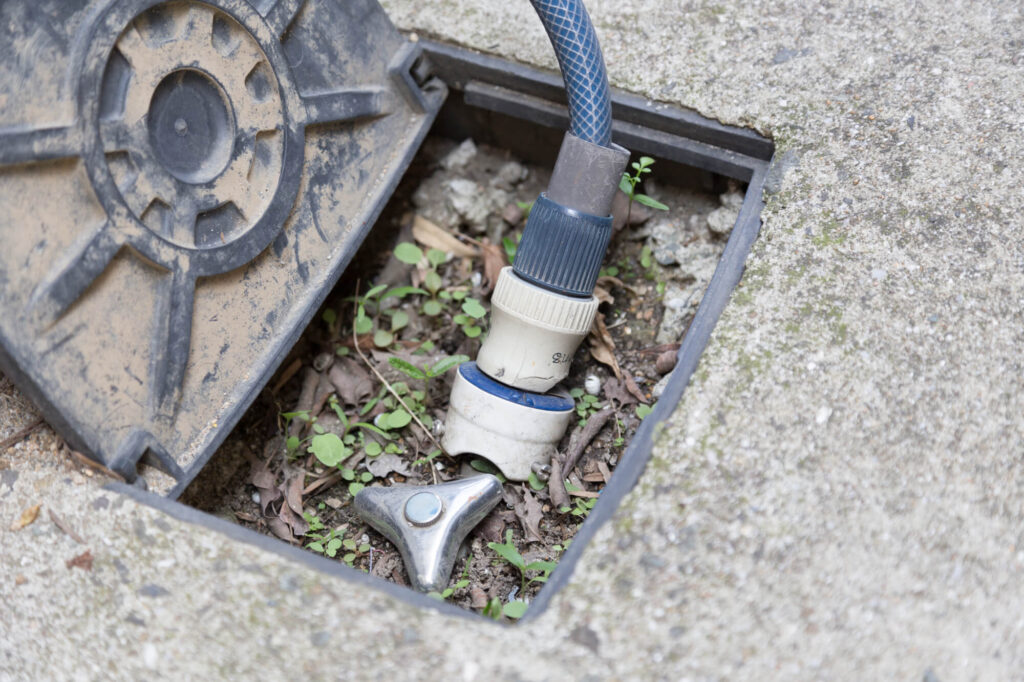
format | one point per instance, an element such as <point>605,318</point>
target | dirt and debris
<point>412,306</point>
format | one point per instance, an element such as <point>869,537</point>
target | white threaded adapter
<point>534,333</point>
<point>512,429</point>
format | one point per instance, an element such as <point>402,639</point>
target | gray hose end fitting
<point>587,175</point>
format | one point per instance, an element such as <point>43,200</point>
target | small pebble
<point>256,497</point>
<point>592,384</point>
<point>666,362</point>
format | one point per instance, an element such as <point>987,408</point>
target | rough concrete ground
<point>839,494</point>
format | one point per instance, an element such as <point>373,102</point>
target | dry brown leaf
<point>583,493</point>
<point>280,529</point>
<point>529,513</point>
<point>634,389</point>
<point>616,390</point>
<point>602,347</point>
<point>491,528</point>
<point>82,561</point>
<point>295,522</point>
<point>434,236</point>
<point>494,261</point>
<point>310,382</point>
<point>382,465</point>
<point>27,517</point>
<point>603,295</point>
<point>351,381</point>
<point>293,492</point>
<point>265,482</point>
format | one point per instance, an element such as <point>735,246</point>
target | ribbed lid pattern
<point>562,249</point>
<point>521,298</point>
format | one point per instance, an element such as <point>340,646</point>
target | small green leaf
<point>350,544</point>
<point>348,474</point>
<point>316,547</point>
<point>402,292</point>
<point>341,351</point>
<point>509,554</point>
<point>445,364</point>
<point>349,558</point>
<point>436,256</point>
<point>398,419</point>
<point>292,444</point>
<point>354,488</point>
<point>472,331</point>
<point>330,317</point>
<point>472,307</point>
<point>515,609</point>
<point>459,295</point>
<point>364,548</point>
<point>645,257</point>
<point>363,324</point>
<point>510,249</point>
<point>382,339</point>
<point>375,291</point>
<point>328,448</point>
<point>334,544</point>
<point>432,308</point>
<point>646,161</point>
<point>648,201</point>
<point>408,253</point>
<point>432,281</point>
<point>317,429</point>
<point>570,488</point>
<point>487,468</point>
<point>643,410</point>
<point>366,477</point>
<point>372,449</point>
<point>407,368</point>
<point>525,207</point>
<point>626,186</point>
<point>535,482</point>
<point>547,566</point>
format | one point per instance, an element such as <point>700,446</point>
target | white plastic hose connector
<point>511,429</point>
<point>534,333</point>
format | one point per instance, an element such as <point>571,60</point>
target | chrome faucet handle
<point>427,523</point>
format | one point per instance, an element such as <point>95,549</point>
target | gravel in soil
<point>413,301</point>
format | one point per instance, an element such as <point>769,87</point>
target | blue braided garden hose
<point>579,56</point>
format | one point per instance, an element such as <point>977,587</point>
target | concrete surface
<point>839,495</point>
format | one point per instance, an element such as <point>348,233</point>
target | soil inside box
<point>282,472</point>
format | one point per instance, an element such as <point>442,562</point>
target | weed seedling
<point>472,312</point>
<point>629,182</point>
<point>581,507</point>
<point>326,541</point>
<point>425,373</point>
<point>586,404</point>
<point>509,553</point>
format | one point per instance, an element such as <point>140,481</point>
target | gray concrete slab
<point>839,495</point>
